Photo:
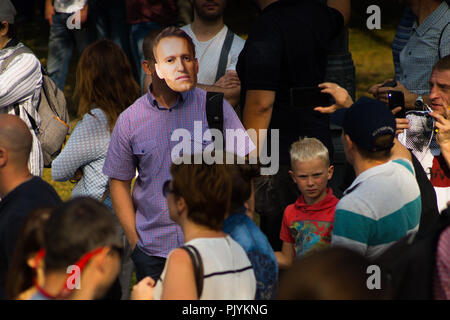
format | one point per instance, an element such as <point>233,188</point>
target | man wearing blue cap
<point>383,203</point>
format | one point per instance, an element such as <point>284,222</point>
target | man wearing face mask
<point>145,137</point>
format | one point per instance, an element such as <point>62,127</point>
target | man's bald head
<point>16,138</point>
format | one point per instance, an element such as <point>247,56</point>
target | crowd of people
<point>155,98</point>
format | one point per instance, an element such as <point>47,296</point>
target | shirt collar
<point>181,99</point>
<point>365,176</point>
<point>431,20</point>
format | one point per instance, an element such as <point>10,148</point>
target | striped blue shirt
<point>142,139</point>
<point>429,41</point>
<point>381,206</point>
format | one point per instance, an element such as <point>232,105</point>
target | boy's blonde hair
<point>307,149</point>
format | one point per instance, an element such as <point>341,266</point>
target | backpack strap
<point>198,267</point>
<point>214,111</point>
<point>224,54</point>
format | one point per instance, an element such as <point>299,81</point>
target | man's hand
<point>381,93</point>
<point>340,95</point>
<point>229,80</point>
<point>401,123</point>
<point>84,14</point>
<point>144,289</point>
<point>49,11</point>
<point>443,126</point>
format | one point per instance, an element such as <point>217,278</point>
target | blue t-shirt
<point>245,232</point>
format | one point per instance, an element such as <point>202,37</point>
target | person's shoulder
<point>135,109</point>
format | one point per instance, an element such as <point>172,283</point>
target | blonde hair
<point>307,149</point>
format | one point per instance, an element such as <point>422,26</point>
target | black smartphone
<point>310,97</point>
<point>397,99</point>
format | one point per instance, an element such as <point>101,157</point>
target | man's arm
<point>123,206</point>
<point>49,11</point>
<point>258,111</point>
<point>381,93</point>
<point>229,85</point>
<point>343,6</point>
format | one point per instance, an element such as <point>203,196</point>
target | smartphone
<point>309,97</point>
<point>397,99</point>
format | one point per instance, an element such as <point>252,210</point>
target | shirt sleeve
<point>263,56</point>
<point>20,79</point>
<point>285,234</point>
<point>85,144</point>
<point>236,48</point>
<point>237,140</point>
<point>120,161</point>
<point>329,27</point>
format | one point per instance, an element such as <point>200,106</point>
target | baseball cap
<point>7,11</point>
<point>364,121</point>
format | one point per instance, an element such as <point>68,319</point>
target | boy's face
<point>176,64</point>
<point>311,178</point>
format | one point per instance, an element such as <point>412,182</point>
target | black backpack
<point>408,265</point>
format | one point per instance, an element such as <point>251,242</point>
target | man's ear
<point>146,67</point>
<point>4,30</point>
<point>158,71</point>
<point>3,157</point>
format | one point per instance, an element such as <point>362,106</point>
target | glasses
<point>166,189</point>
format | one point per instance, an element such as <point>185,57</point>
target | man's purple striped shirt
<point>142,140</point>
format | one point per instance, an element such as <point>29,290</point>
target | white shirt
<point>208,54</point>
<point>68,6</point>
<point>228,273</point>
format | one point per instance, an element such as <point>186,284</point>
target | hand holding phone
<point>309,97</point>
<point>397,99</point>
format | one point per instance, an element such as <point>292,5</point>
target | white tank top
<point>228,274</point>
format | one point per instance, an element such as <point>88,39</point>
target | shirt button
<point>170,110</point>
<point>409,53</point>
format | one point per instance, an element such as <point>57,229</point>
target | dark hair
<point>242,176</point>
<point>442,64</point>
<point>174,32</point>
<point>77,227</point>
<point>30,240</point>
<point>384,141</point>
<point>104,78</point>
<point>330,274</point>
<point>147,44</point>
<point>206,190</point>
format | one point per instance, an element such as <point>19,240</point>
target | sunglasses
<point>166,189</point>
